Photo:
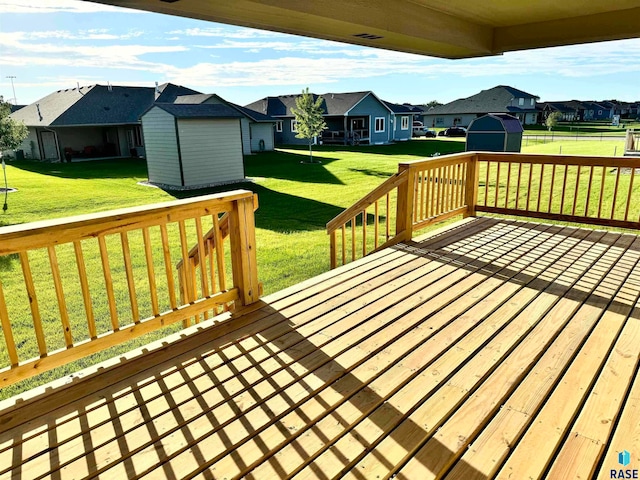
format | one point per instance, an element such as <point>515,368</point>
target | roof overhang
<point>441,28</point>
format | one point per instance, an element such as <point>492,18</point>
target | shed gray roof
<point>333,103</point>
<point>496,99</point>
<point>201,110</point>
<point>203,97</point>
<point>95,105</point>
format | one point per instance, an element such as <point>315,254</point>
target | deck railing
<point>107,278</point>
<point>590,190</point>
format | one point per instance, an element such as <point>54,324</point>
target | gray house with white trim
<point>191,146</point>
<point>351,118</point>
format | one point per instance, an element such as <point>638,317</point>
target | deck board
<point>453,356</point>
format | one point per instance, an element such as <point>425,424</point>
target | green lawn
<point>296,201</point>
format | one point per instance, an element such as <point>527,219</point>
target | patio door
<point>49,146</point>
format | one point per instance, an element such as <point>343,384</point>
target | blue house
<point>352,118</point>
<point>402,121</point>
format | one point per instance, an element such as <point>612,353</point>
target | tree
<point>432,103</point>
<point>12,133</point>
<point>552,120</point>
<point>309,120</point>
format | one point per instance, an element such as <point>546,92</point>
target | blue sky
<point>55,44</point>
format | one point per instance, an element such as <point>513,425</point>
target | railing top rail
<point>539,158</point>
<point>387,186</point>
<point>39,234</point>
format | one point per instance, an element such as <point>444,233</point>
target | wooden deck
<point>492,349</point>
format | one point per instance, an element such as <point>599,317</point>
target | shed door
<point>49,147</point>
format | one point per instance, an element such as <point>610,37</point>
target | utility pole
<point>11,77</point>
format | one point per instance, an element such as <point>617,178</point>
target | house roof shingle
<point>498,99</point>
<point>333,103</point>
<point>95,105</point>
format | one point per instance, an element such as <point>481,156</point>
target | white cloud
<point>227,32</point>
<point>57,6</point>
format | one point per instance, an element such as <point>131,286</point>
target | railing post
<point>242,237</point>
<point>404,206</point>
<point>471,189</point>
<point>332,249</point>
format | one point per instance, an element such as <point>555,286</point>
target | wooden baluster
<point>506,196</point>
<point>126,254</point>
<point>62,304</point>
<point>626,210</point>
<point>388,222</point>
<point>540,182</point>
<point>486,185</point>
<point>438,205</point>
<point>447,188</point>
<point>615,194</point>
<point>518,185</point>
<point>6,330</point>
<point>211,254</point>
<point>333,261</point>
<point>84,288</point>
<point>33,303</point>
<point>423,185</point>
<point>433,185</point>
<point>202,261</point>
<point>604,177</point>
<point>575,195</point>
<point>553,180</point>
<point>375,225</point>
<point>108,282</point>
<point>364,232</point>
<point>416,197</point>
<point>586,207</point>
<point>222,276</point>
<point>495,202</point>
<point>344,244</point>
<point>146,238</point>
<point>529,187</point>
<point>564,188</point>
<point>185,277</point>
<point>353,239</point>
<point>463,185</point>
<point>168,266</point>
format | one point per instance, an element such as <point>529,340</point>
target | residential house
<point>257,128</point>
<point>351,118</point>
<point>500,99</point>
<point>402,121</point>
<point>193,145</point>
<point>568,113</point>
<point>92,121</point>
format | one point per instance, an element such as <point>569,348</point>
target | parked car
<point>453,132</point>
<point>422,132</point>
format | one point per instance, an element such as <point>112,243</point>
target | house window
<point>599,112</point>
<point>521,101</point>
<point>379,124</point>
<point>279,126</point>
<point>439,120</point>
<point>404,123</point>
<point>457,121</point>
<point>533,102</point>
<point>294,126</point>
